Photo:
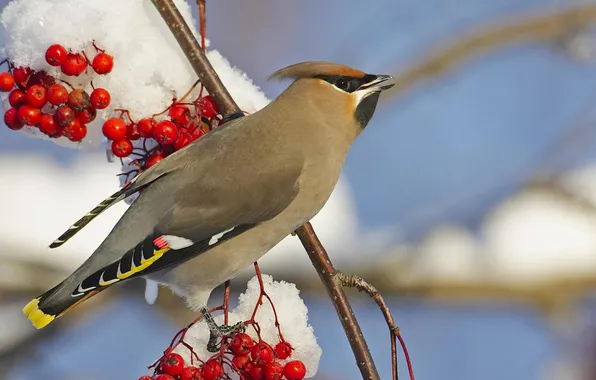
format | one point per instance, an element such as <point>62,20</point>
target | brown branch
<point>307,236</point>
<point>196,57</point>
<point>554,27</point>
<point>324,267</point>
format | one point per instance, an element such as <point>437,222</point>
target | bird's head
<point>338,89</point>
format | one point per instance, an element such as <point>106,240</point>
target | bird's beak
<point>381,83</point>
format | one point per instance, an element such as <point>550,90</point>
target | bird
<point>213,208</point>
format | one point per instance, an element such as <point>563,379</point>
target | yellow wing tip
<point>38,318</point>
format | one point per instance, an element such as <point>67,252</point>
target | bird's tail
<point>52,304</point>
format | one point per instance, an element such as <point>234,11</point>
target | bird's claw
<point>216,331</point>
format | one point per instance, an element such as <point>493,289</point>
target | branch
<point>552,27</point>
<point>307,236</point>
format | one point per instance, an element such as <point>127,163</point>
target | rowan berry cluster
<point>249,359</point>
<point>42,101</point>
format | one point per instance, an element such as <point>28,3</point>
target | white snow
<point>149,66</point>
<point>292,315</point>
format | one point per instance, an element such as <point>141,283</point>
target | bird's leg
<point>216,331</point>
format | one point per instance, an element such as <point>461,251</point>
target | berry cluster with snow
<point>278,342</point>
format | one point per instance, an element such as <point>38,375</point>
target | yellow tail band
<point>38,318</point>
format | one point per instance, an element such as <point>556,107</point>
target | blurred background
<point>469,201</point>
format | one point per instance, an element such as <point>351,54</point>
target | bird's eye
<point>343,84</point>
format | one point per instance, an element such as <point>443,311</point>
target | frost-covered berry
<point>56,55</point>
<point>7,82</point>
<point>102,63</point>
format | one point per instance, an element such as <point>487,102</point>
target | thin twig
<point>353,281</point>
<point>313,246</point>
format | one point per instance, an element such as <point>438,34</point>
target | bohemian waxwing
<point>215,207</point>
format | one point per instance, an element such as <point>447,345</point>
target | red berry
<point>183,140</point>
<point>165,132</point>
<point>145,378</point>
<point>164,376</point>
<point>212,370</point>
<point>295,370</point>
<point>197,132</point>
<point>241,344</point>
<point>262,354</point>
<point>56,55</point>
<point>153,159</point>
<point>36,96</point>
<point>283,350</point>
<point>180,114</point>
<point>191,373</point>
<point>274,371</point>
<point>114,129</point>
<point>78,100</point>
<point>74,131</point>
<point>207,107</point>
<point>74,64</point>
<point>146,127</point>
<point>123,148</point>
<point>7,82</point>
<point>11,119</point>
<point>100,98</point>
<point>87,115</point>
<point>103,63</point>
<point>29,115</point>
<point>173,363</point>
<point>63,115</point>
<point>57,94</point>
<point>16,98</point>
<point>242,363</point>
<point>21,75</point>
<point>257,372</point>
<point>132,132</point>
<point>47,124</point>
<point>41,78</point>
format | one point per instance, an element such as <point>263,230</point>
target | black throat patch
<point>366,109</point>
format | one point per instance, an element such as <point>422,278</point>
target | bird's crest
<point>314,69</point>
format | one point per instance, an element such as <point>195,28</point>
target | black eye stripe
<point>345,83</point>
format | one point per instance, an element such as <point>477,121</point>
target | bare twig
<point>311,243</point>
<point>554,27</point>
<point>352,281</point>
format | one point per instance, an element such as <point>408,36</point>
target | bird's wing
<point>192,228</point>
<point>138,183</point>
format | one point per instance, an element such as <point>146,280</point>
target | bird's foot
<point>216,331</point>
